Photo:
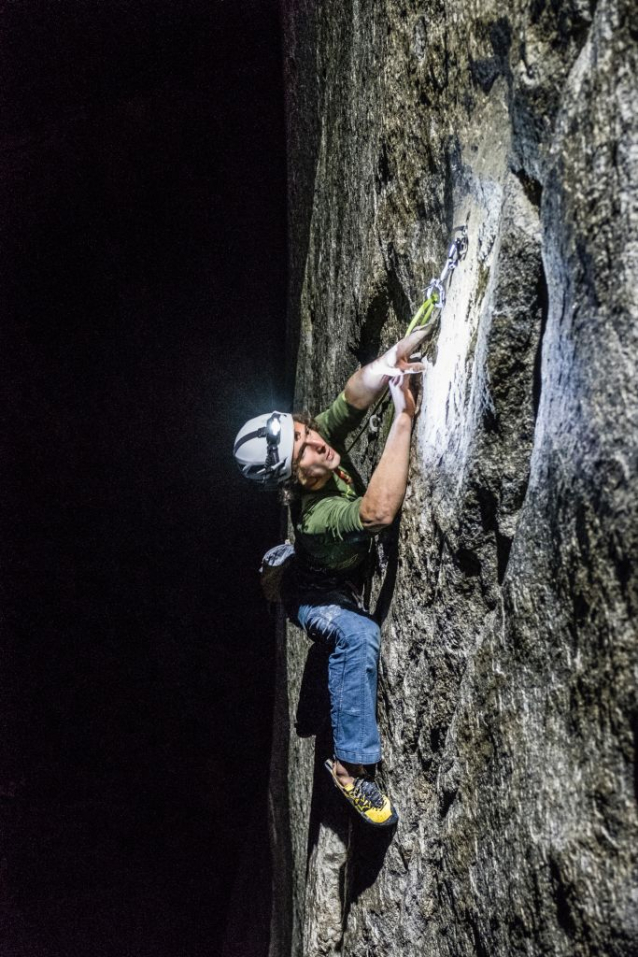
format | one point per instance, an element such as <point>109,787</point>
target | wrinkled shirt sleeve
<point>335,518</point>
<point>338,420</point>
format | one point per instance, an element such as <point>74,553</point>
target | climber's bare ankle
<point>346,772</point>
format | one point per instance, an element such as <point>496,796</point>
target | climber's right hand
<point>402,396</point>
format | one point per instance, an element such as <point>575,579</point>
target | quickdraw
<point>435,293</point>
<point>435,299</point>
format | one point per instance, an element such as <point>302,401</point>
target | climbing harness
<point>435,298</point>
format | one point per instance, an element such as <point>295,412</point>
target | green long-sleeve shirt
<point>329,534</point>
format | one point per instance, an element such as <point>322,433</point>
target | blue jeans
<point>354,639</point>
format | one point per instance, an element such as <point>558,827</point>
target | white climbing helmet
<point>263,448</point>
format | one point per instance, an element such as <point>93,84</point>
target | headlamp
<point>273,435</point>
<point>273,427</point>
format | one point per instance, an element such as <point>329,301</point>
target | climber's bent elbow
<point>375,520</point>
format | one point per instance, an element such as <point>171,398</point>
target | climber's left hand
<point>366,384</point>
<point>409,344</point>
<point>396,361</point>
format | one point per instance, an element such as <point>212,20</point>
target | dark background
<point>142,284</point>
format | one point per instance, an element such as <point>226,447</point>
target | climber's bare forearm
<point>364,387</point>
<point>382,501</point>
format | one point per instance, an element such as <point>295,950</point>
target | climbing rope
<point>434,299</point>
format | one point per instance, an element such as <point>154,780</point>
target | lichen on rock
<point>507,686</point>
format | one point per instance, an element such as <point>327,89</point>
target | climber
<point>334,518</point>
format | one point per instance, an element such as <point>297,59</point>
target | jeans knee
<point>364,636</point>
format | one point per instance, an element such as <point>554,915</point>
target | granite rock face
<point>507,694</point>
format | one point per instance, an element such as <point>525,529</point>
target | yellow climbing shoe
<point>366,798</point>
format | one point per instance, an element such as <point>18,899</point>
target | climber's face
<point>314,460</point>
